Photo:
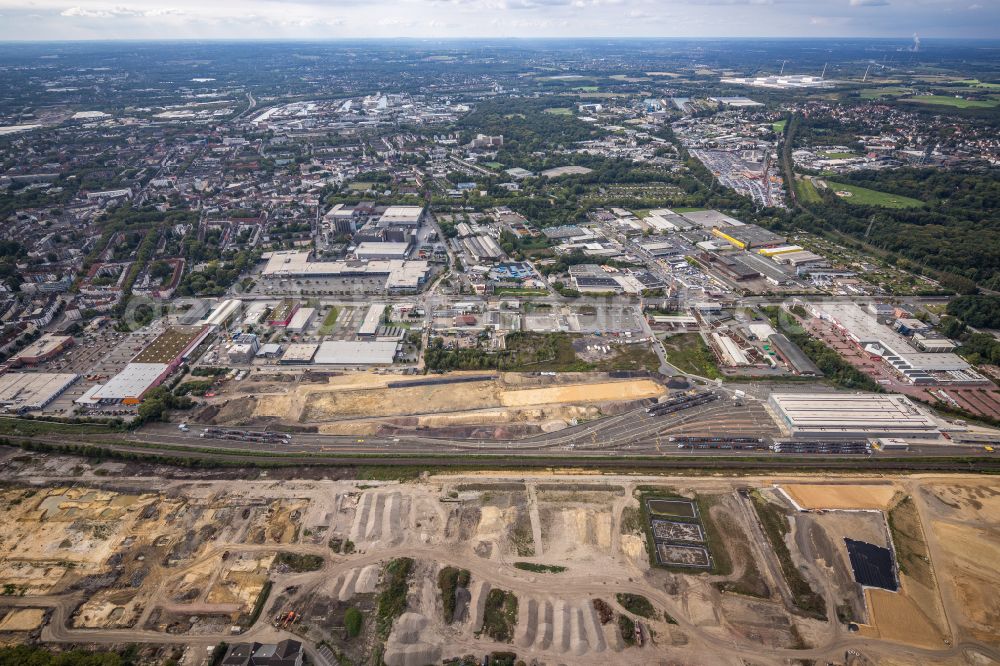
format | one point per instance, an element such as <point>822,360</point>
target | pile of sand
<point>362,580</point>
<point>583,393</point>
<point>477,604</point>
<point>634,548</point>
<point>560,626</point>
<point>353,428</point>
<point>378,518</point>
<point>321,404</point>
<point>361,396</point>
<point>493,523</point>
<point>405,647</point>
<point>589,526</point>
<point>568,530</point>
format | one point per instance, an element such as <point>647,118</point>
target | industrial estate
<point>521,357</point>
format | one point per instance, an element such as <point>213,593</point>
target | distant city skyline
<point>314,19</point>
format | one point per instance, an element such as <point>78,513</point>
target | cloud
<point>116,12</point>
<point>869,3</point>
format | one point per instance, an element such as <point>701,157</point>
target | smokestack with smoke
<point>916,43</point>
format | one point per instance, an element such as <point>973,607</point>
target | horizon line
<point>278,40</point>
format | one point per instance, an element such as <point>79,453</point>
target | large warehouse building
<point>44,348</point>
<point>857,415</point>
<point>402,216</point>
<point>357,352</point>
<point>32,390</point>
<point>152,365</point>
<point>895,350</point>
<point>400,276</point>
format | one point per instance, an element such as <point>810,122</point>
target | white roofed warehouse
<point>827,415</point>
<point>32,391</point>
<point>152,365</point>
<point>402,216</point>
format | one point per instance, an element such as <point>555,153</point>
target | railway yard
<point>593,567</point>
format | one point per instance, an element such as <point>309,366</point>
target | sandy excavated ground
<point>550,418</point>
<point>965,528</point>
<point>362,394</point>
<point>897,617</point>
<point>23,619</point>
<point>192,561</point>
<point>598,392</point>
<point>830,496</point>
<point>48,532</point>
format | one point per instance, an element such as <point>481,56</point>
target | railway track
<point>608,460</point>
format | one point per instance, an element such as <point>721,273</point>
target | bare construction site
<point>517,403</point>
<point>550,568</point>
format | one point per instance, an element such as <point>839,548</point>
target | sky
<point>332,19</point>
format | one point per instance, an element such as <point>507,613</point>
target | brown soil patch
<point>828,496</point>
<point>896,617</point>
<point>239,410</point>
<point>600,392</point>
<point>322,404</point>
<point>23,619</point>
<point>349,428</point>
<point>973,553</point>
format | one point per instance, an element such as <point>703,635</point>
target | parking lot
<point>96,357</point>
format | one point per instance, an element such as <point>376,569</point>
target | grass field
<point>806,191</point>
<point>631,357</point>
<point>779,126</point>
<point>587,88</point>
<point>976,83</point>
<point>886,91</point>
<point>520,291</point>
<point>958,103</point>
<point>326,328</point>
<point>837,156</point>
<point>866,197</point>
<point>560,111</point>
<point>543,352</point>
<point>689,353</point>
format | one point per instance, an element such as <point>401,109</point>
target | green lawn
<point>326,328</point>
<point>560,111</point>
<point>866,197</point>
<point>630,357</point>
<point>520,291</point>
<point>837,156</point>
<point>958,103</point>
<point>806,191</point>
<point>360,187</point>
<point>689,353</point>
<point>976,83</point>
<point>887,91</point>
<point>587,88</point>
<point>779,126</point>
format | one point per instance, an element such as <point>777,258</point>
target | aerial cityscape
<point>478,351</point>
